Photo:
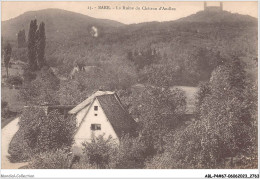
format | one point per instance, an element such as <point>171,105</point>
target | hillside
<point>218,17</point>
<point>60,24</point>
<point>69,38</point>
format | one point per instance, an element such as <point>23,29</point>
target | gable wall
<point>84,132</point>
<point>81,114</point>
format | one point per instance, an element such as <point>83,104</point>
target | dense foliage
<point>40,88</point>
<point>36,46</point>
<point>7,56</point>
<point>143,63</point>
<point>99,151</point>
<point>39,133</point>
<point>54,159</point>
<point>21,39</point>
<point>223,135</point>
<point>32,45</point>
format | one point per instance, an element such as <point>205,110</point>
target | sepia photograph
<point>129,85</point>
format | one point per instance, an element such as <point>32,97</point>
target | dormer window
<point>95,108</point>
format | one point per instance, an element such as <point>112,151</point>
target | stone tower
<point>213,8</point>
<point>221,6</point>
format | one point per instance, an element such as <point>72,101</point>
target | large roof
<point>119,118</point>
<point>88,101</point>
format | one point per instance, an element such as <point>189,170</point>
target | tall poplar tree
<point>32,46</point>
<point>7,56</point>
<point>41,45</point>
<point>21,39</point>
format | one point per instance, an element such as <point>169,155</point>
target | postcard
<point>129,85</point>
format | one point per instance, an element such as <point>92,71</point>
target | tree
<point>157,111</point>
<point>227,110</point>
<point>7,56</point>
<point>41,90</point>
<point>99,151</point>
<point>130,154</point>
<point>56,132</point>
<point>40,132</point>
<point>55,159</point>
<point>70,93</point>
<point>32,46</point>
<point>164,75</point>
<point>2,46</point>
<point>21,38</point>
<point>41,38</point>
<point>226,128</point>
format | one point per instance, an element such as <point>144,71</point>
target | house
<point>101,114</point>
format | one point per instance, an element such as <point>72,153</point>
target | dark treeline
<point>36,46</point>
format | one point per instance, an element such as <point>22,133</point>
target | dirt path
<point>7,134</point>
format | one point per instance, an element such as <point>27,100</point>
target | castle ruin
<point>213,8</point>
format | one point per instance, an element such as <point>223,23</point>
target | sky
<point>143,14</point>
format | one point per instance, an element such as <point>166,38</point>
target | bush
<point>105,153</point>
<point>5,112</point>
<point>18,149</point>
<point>130,154</point>
<point>4,104</point>
<point>14,80</point>
<point>40,133</point>
<point>58,159</point>
<point>84,164</point>
<point>99,151</point>
<point>20,54</point>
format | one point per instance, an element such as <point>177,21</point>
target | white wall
<point>81,114</point>
<point>84,132</point>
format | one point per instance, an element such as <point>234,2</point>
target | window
<point>95,127</point>
<point>95,108</point>
<point>95,114</point>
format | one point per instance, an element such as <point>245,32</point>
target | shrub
<point>5,112</point>
<point>84,163</point>
<point>99,151</point>
<point>4,104</point>
<point>105,153</point>
<point>14,80</point>
<point>18,149</point>
<point>130,154</point>
<point>58,159</point>
<point>40,133</point>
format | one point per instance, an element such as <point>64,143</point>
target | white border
<point>126,173</point>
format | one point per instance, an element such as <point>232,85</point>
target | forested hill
<point>184,43</point>
<point>215,17</point>
<point>59,23</point>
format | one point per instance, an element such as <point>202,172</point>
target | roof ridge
<point>89,99</point>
